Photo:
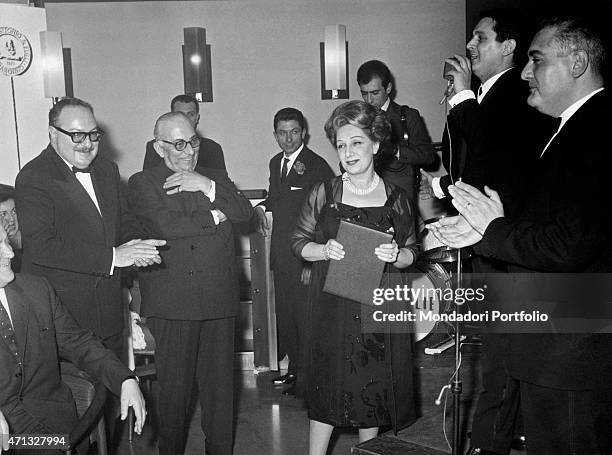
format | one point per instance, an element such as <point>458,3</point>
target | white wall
<point>28,101</point>
<point>126,60</point>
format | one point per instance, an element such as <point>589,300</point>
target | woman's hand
<point>387,252</point>
<point>332,250</point>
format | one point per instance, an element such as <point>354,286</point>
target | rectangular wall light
<point>53,64</point>
<point>334,63</point>
<point>197,71</point>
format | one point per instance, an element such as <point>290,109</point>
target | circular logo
<point>15,52</point>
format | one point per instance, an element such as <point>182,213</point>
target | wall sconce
<point>197,70</point>
<point>334,63</point>
<point>53,65</point>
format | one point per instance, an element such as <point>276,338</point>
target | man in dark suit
<point>409,146</point>
<point>211,153</point>
<point>478,148</point>
<point>563,379</point>
<point>74,219</point>
<point>191,300</point>
<point>35,331</point>
<point>477,145</point>
<point>293,172</point>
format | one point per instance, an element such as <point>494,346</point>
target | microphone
<point>438,400</point>
<point>450,84</point>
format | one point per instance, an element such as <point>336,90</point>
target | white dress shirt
<point>4,301</point>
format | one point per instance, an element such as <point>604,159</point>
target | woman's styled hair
<point>370,119</point>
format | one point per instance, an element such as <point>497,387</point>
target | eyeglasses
<point>79,136</point>
<point>181,144</point>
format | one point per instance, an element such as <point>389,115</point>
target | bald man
<point>192,300</point>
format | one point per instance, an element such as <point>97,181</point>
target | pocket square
<point>294,188</point>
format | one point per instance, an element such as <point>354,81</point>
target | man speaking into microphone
<point>481,147</point>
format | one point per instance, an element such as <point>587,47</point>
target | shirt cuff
<point>213,192</point>
<point>437,189</point>
<point>112,270</point>
<point>461,97</point>
<point>215,216</point>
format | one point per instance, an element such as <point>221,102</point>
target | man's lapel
<point>102,187</point>
<point>73,190</point>
<point>300,161</point>
<point>20,314</point>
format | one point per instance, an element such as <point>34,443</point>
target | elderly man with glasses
<point>75,228</point>
<point>190,301</point>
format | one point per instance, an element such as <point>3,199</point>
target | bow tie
<point>85,170</point>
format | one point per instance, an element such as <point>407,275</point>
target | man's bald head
<point>174,141</point>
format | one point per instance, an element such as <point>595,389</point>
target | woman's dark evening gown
<point>354,379</point>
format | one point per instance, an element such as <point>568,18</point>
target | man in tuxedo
<point>74,218</point>
<point>409,146</point>
<point>211,153</point>
<point>191,300</point>
<point>293,172</point>
<point>562,379</point>
<point>35,331</point>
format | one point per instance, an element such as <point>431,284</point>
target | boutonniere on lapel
<point>299,167</point>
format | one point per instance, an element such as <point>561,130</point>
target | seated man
<point>35,331</point>
<point>8,220</point>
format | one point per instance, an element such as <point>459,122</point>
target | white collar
<point>385,106</point>
<point>567,113</point>
<point>291,158</point>
<point>486,86</point>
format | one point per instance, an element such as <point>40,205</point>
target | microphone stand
<point>457,384</point>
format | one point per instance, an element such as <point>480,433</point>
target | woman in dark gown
<point>355,379</point>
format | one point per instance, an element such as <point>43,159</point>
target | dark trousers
<point>290,299</point>
<point>566,422</point>
<point>498,402</point>
<point>199,353</point>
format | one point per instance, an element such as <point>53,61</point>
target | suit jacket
<point>197,279</point>
<point>45,332</point>
<point>414,153</point>
<point>67,241</point>
<point>496,142</point>
<point>285,201</point>
<point>560,227</point>
<point>211,155</point>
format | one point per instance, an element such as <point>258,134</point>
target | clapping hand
<point>141,253</point>
<point>455,232</point>
<point>478,209</point>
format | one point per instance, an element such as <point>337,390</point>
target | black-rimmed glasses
<point>181,144</point>
<point>79,136</point>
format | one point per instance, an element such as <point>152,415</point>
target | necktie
<point>284,169</point>
<point>479,94</point>
<point>85,170</point>
<point>8,334</point>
